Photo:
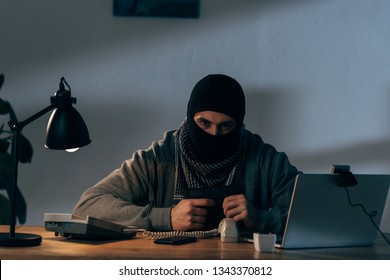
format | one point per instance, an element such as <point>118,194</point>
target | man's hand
<point>190,214</point>
<point>238,208</point>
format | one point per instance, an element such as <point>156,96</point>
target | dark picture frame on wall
<point>157,8</point>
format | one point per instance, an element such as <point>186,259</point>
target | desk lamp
<point>66,130</point>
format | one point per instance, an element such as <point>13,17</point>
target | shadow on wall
<point>371,157</point>
<point>120,127</point>
<point>364,154</point>
<point>270,112</point>
<point>277,116</point>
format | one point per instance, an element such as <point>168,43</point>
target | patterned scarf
<point>193,174</point>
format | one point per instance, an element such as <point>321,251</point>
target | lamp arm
<point>19,125</point>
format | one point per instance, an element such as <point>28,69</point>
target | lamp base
<point>19,240</point>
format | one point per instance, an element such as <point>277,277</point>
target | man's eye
<point>204,123</point>
<point>227,125</point>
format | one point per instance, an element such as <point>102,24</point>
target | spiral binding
<point>167,234</point>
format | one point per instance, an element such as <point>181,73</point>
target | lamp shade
<point>66,129</point>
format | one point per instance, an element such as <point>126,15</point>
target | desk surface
<point>142,248</point>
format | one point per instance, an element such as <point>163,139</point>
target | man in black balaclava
<point>210,168</point>
<point>211,144</point>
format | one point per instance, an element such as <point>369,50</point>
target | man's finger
<point>202,202</point>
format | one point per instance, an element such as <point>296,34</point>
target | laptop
<point>320,214</point>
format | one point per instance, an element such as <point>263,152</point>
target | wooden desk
<point>141,248</point>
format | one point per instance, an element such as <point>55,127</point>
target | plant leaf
<point>25,150</point>
<point>6,183</point>
<point>4,145</point>
<point>1,80</point>
<point>5,210</point>
<point>5,166</point>
<point>5,107</point>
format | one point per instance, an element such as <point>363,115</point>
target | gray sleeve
<point>127,196</point>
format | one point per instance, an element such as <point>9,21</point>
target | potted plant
<point>25,156</point>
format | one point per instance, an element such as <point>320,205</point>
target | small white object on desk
<point>264,242</point>
<point>228,230</point>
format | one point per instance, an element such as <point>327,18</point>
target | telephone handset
<point>169,234</point>
<point>228,230</point>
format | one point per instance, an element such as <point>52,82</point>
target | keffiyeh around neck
<point>191,173</point>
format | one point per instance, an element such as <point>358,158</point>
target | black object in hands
<point>218,193</point>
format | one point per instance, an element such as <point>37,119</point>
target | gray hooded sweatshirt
<point>140,193</point>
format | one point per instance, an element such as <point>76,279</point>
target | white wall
<point>315,73</point>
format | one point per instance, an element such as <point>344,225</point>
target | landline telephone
<point>72,226</point>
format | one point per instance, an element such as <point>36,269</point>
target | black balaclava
<point>218,93</point>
